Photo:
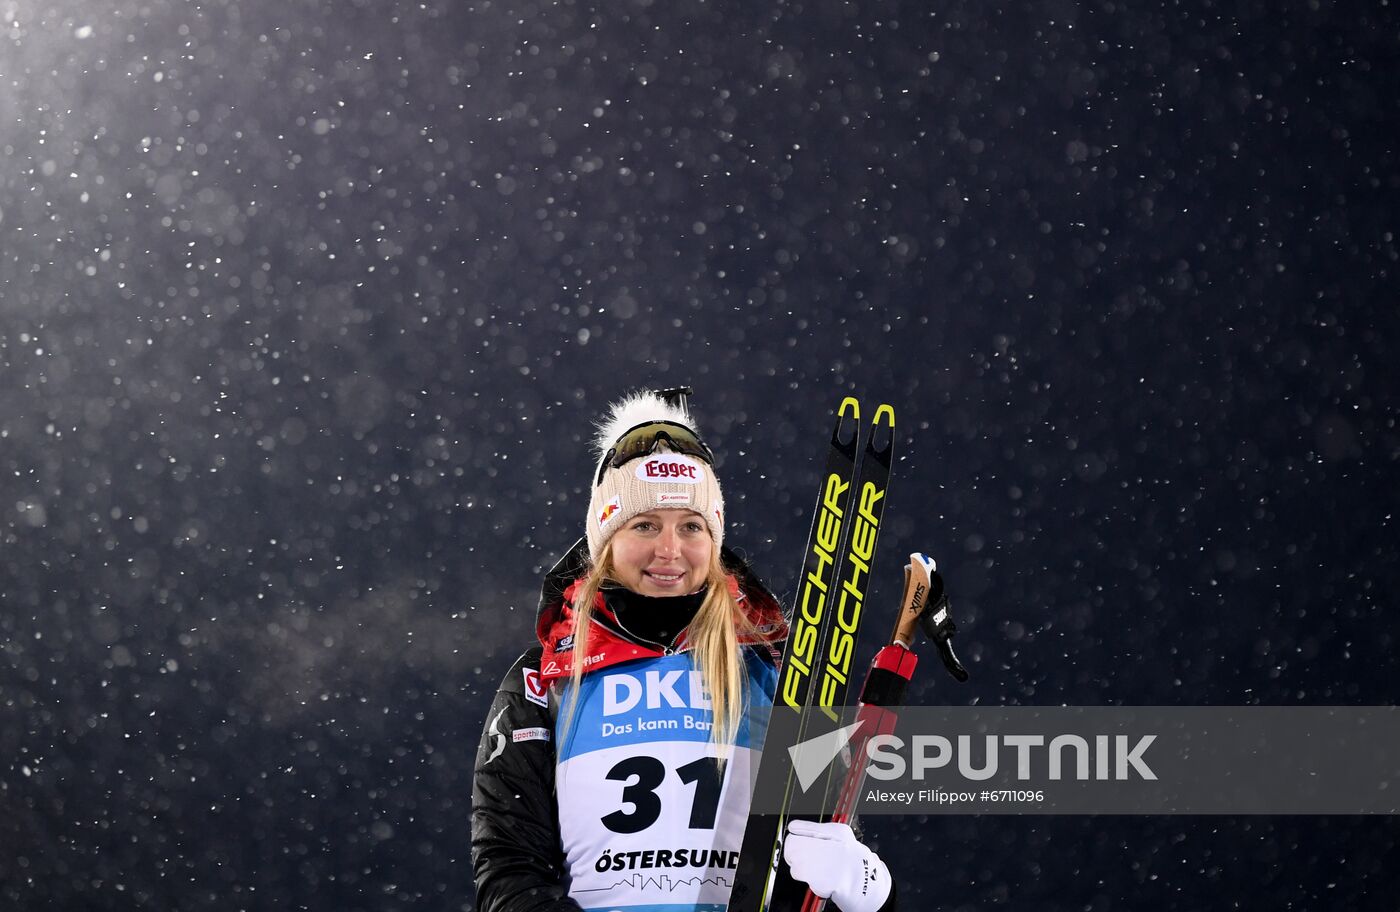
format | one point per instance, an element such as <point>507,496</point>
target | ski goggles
<point>643,440</point>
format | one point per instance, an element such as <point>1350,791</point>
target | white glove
<point>834,865</point>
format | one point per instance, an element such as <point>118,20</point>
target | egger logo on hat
<point>669,468</point>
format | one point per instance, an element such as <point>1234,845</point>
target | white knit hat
<point>662,477</point>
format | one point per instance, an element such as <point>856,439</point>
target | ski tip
<point>847,431</point>
<point>885,411</point>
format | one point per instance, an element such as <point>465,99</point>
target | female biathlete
<point>614,769</point>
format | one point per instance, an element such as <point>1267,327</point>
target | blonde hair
<point>713,641</point>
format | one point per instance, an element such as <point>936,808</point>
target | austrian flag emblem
<point>536,690</point>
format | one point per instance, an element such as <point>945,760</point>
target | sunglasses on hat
<point>643,440</point>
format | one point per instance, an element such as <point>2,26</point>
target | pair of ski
<point>814,675</point>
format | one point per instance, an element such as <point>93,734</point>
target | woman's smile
<point>663,552</point>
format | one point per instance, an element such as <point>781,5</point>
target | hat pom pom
<point>632,410</point>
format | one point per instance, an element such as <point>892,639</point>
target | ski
<point>923,604</point>
<point>786,894</point>
<point>815,666</point>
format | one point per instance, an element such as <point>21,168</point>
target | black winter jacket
<point>517,855</point>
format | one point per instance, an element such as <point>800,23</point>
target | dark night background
<point>306,308</point>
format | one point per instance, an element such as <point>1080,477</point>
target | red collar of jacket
<point>609,644</point>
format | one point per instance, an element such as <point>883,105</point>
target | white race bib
<point>648,821</point>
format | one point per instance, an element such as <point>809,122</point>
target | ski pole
<point>923,604</point>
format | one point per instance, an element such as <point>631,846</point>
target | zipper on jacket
<point>673,649</point>
<point>665,649</point>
